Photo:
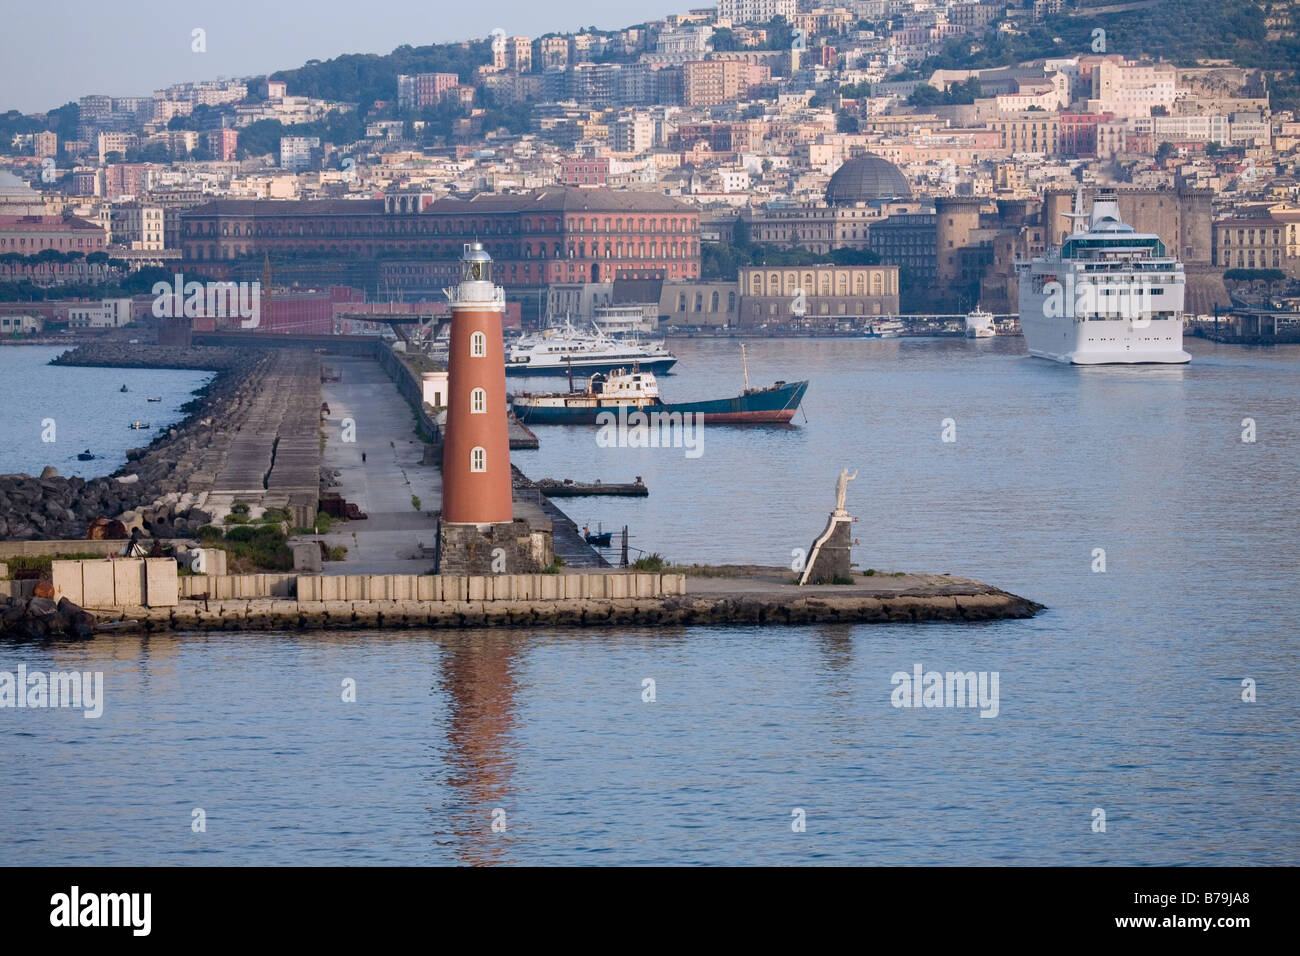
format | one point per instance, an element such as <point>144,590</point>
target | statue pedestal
<point>829,559</point>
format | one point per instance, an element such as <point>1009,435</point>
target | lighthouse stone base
<point>829,558</point>
<point>513,548</point>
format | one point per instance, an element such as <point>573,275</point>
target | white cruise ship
<point>1107,296</point>
<point>556,351</point>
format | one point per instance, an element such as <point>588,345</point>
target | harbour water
<point>88,408</point>
<point>1125,695</point>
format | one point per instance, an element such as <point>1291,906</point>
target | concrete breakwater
<point>164,487</point>
<point>587,600</point>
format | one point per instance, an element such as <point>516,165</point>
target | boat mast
<point>745,362</point>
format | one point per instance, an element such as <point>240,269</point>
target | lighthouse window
<point>478,401</point>
<point>478,458</point>
<point>478,345</point>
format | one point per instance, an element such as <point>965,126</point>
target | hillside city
<point>705,170</point>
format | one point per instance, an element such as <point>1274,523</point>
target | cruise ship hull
<point>1104,341</point>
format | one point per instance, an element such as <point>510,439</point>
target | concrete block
<point>160,582</point>
<point>502,587</point>
<point>67,580</point>
<point>550,587</point>
<point>672,584</point>
<point>128,582</point>
<point>405,587</point>
<point>308,588</point>
<point>618,586</point>
<point>97,583</point>
<point>478,587</point>
<point>4,571</point>
<point>354,587</point>
<point>333,588</point>
<point>572,586</point>
<point>428,587</point>
<point>645,585</point>
<point>306,557</point>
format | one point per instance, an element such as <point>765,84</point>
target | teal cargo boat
<point>637,390</point>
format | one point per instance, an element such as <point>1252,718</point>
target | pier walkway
<point>389,540</point>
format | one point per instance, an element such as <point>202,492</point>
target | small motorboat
<point>138,425</point>
<point>600,537</point>
<point>86,456</point>
<point>124,389</point>
<point>158,399</point>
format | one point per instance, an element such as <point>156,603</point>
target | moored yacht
<point>556,351</point>
<point>979,324</point>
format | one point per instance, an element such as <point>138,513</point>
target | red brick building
<point>1078,132</point>
<point>27,235</point>
<point>584,171</point>
<point>557,234</point>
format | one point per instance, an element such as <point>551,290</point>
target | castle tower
<point>476,482</point>
<point>956,219</point>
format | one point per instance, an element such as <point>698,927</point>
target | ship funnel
<point>1105,206</point>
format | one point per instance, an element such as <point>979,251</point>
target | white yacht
<point>1108,295</point>
<point>979,324</point>
<point>556,351</point>
<point>885,329</point>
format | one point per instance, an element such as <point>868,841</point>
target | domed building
<point>17,198</point>
<point>864,179</point>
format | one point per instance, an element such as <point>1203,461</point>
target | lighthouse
<point>476,482</point>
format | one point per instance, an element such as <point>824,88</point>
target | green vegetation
<point>722,261</point>
<point>250,548</point>
<point>42,562</point>
<point>956,94</point>
<point>649,562</point>
<point>415,502</point>
<point>335,553</point>
<point>274,516</point>
<point>554,566</point>
<point>1182,31</point>
<point>364,77</point>
<point>1255,275</point>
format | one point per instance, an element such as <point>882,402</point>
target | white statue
<point>842,486</point>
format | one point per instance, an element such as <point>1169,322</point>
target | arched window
<point>478,401</point>
<point>478,458</point>
<point>478,345</point>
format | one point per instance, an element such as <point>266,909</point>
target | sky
<point>53,51</point>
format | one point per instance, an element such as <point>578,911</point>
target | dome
<point>11,187</point>
<point>864,178</point>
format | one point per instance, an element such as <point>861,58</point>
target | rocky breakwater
<point>163,486</point>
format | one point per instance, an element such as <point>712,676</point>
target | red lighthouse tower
<point>476,484</point>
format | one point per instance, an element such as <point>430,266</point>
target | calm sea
<point>87,408</point>
<point>1125,696</point>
